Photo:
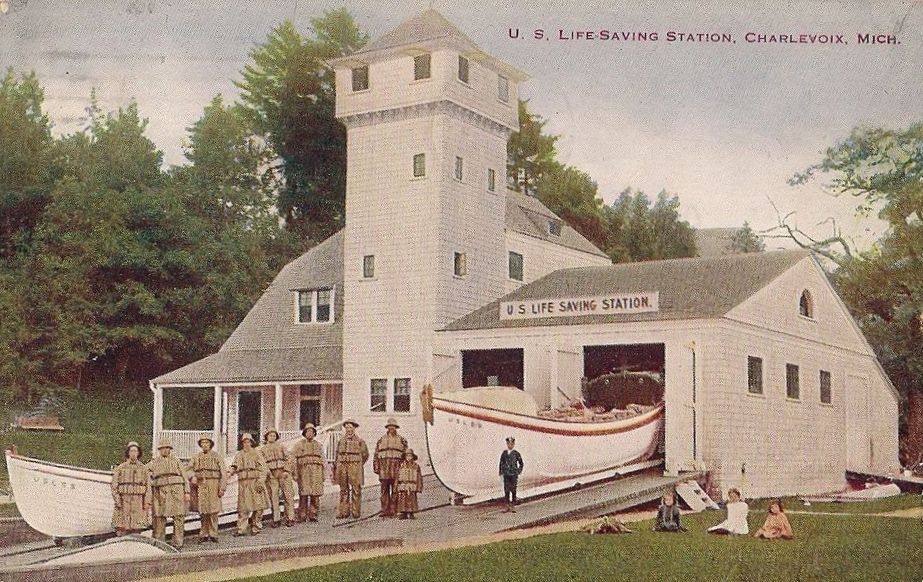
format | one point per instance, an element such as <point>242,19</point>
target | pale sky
<point>723,125</point>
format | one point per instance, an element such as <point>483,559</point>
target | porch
<point>252,408</point>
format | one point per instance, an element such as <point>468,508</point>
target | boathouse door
<point>858,447</point>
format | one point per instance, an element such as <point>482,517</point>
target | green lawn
<point>876,506</point>
<point>826,548</point>
<point>99,421</point>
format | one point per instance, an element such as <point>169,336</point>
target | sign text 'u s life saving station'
<point>570,306</point>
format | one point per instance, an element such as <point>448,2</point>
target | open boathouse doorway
<point>618,376</point>
<point>493,367</point>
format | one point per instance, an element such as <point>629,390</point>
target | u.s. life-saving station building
<point>442,275</point>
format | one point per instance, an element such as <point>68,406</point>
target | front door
<point>249,406</point>
<point>858,447</point>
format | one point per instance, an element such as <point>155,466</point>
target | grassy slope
<point>826,548</point>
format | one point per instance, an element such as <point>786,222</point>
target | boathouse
<point>444,276</point>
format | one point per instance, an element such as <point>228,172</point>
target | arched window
<point>806,304</point>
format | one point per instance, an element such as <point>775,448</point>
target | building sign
<point>570,306</point>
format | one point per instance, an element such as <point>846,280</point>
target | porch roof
<point>261,365</point>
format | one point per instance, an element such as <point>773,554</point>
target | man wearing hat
<point>131,492</point>
<point>409,485</point>
<point>251,472</point>
<point>309,473</point>
<point>510,467</point>
<point>352,455</point>
<point>170,489</point>
<point>210,481</point>
<point>279,481</point>
<point>389,454</point>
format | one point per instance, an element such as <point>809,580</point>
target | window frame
<point>788,386</point>
<point>422,157</point>
<point>503,88</point>
<point>394,395</point>
<point>491,180</point>
<point>372,396</point>
<point>762,376</point>
<point>809,312</point>
<point>368,75</point>
<point>459,170</point>
<point>460,264</point>
<point>829,376</point>
<point>368,266</point>
<point>522,266</point>
<point>429,67</point>
<point>464,64</point>
<point>314,294</point>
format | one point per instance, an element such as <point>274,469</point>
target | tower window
<point>421,67</point>
<point>402,395</point>
<point>461,264</point>
<point>361,78</point>
<point>462,69</point>
<point>459,168</point>
<point>754,375</point>
<point>368,266</point>
<point>792,389</point>
<point>419,165</point>
<point>825,388</point>
<point>491,180</point>
<point>503,88</point>
<point>806,304</point>
<point>378,395</point>
<point>516,264</point>
<point>314,306</point>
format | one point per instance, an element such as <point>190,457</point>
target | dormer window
<point>314,306</point>
<point>806,305</point>
<point>361,78</point>
<point>554,227</point>
<point>503,88</point>
<point>421,67</point>
<point>462,69</point>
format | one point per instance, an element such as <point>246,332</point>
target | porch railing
<point>184,441</point>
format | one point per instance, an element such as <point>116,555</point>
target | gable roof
<point>268,344</point>
<point>527,215</point>
<point>695,288</point>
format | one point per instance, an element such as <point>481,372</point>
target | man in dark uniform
<point>510,467</point>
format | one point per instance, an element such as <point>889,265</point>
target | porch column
<point>216,420</point>
<point>158,414</point>
<point>277,418</point>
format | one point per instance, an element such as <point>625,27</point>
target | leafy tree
<point>289,93</point>
<point>883,287</point>
<point>640,231</point>
<point>573,195</point>
<point>531,153</point>
<point>745,240</point>
<point>25,139</point>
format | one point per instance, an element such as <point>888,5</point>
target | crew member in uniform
<point>208,476</point>
<point>389,454</point>
<point>409,485</point>
<point>352,454</point>
<point>251,472</point>
<point>510,467</point>
<point>309,473</point>
<point>131,492</point>
<point>279,464</point>
<point>170,489</point>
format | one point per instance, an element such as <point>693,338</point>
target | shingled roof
<point>429,25</point>
<point>527,215</point>
<point>701,287</point>
<point>268,344</point>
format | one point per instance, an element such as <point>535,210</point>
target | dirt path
<point>267,568</point>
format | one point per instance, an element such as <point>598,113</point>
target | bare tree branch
<point>823,247</point>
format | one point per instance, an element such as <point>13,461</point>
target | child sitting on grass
<point>736,522</point>
<point>777,525</point>
<point>668,514</point>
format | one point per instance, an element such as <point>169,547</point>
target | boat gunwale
<point>74,468</point>
<point>603,428</point>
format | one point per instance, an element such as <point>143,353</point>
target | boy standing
<point>510,467</point>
